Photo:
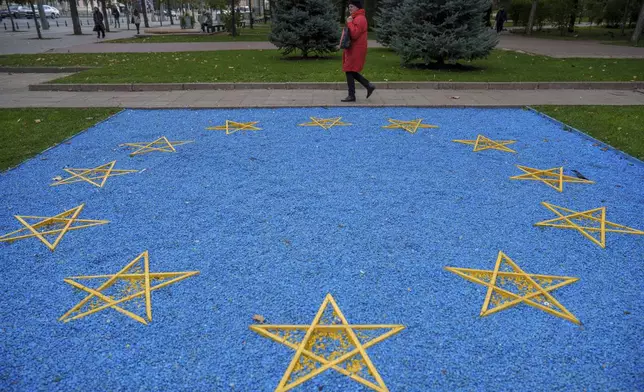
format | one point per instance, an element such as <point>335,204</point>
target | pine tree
<point>441,30</point>
<point>384,21</point>
<point>309,26</point>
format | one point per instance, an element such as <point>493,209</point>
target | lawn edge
<point>121,110</point>
<point>585,135</point>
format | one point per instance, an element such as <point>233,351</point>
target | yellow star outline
<point>409,126</point>
<point>325,123</point>
<point>233,126</point>
<point>533,290</point>
<point>162,144</point>
<point>483,143</point>
<point>329,331</point>
<point>57,225</point>
<point>554,177</point>
<point>96,176</point>
<point>586,222</point>
<point>139,282</point>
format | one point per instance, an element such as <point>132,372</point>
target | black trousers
<point>351,82</point>
<point>100,29</point>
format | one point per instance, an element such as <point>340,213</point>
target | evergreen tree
<point>309,26</point>
<point>385,21</point>
<point>441,30</point>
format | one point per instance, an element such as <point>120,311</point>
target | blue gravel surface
<point>276,219</point>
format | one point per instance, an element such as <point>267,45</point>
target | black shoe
<point>350,98</point>
<point>370,90</point>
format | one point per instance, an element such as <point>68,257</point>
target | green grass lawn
<point>594,33</point>
<point>618,126</point>
<point>269,66</point>
<point>26,132</point>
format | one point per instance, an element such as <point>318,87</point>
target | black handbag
<point>345,39</point>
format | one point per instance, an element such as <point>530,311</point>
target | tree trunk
<point>106,21</point>
<point>43,18</point>
<point>625,16</point>
<point>75,19</point>
<point>573,16</point>
<point>250,15</point>
<point>13,24</point>
<point>638,27</point>
<point>343,9</point>
<point>233,28</point>
<point>533,14</point>
<point>144,8</point>
<point>33,9</point>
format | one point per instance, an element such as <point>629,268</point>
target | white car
<point>50,12</point>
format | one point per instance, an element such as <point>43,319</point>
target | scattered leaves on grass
<point>258,318</point>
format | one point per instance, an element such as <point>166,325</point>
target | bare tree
<point>638,27</point>
<point>533,15</point>
<point>73,7</point>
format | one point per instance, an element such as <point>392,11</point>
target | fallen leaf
<point>57,178</point>
<point>37,121</point>
<point>455,97</point>
<point>258,318</point>
<point>89,118</point>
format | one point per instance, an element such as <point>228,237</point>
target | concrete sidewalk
<point>67,43</point>
<point>14,93</point>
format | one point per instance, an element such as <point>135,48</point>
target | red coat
<point>353,59</point>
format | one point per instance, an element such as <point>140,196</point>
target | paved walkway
<point>565,49</point>
<point>14,93</point>
<point>64,42</point>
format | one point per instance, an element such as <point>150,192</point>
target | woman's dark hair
<point>356,3</point>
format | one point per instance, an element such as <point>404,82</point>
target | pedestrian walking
<point>353,57</point>
<point>117,15</point>
<point>501,17</point>
<point>136,19</point>
<point>99,27</point>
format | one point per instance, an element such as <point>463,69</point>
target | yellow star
<point>483,143</point>
<point>134,281</point>
<point>554,177</point>
<point>325,123</point>
<point>507,287</point>
<point>233,126</point>
<point>409,126</point>
<point>162,144</point>
<point>586,222</point>
<point>57,225</point>
<point>330,342</point>
<point>100,173</point>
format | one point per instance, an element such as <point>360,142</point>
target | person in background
<point>501,17</point>
<point>354,57</point>
<point>209,26</point>
<point>136,19</point>
<point>116,14</point>
<point>99,27</point>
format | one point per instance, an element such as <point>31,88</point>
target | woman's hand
<point>349,19</point>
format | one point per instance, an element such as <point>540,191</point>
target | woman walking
<point>99,27</point>
<point>136,19</point>
<point>353,58</point>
